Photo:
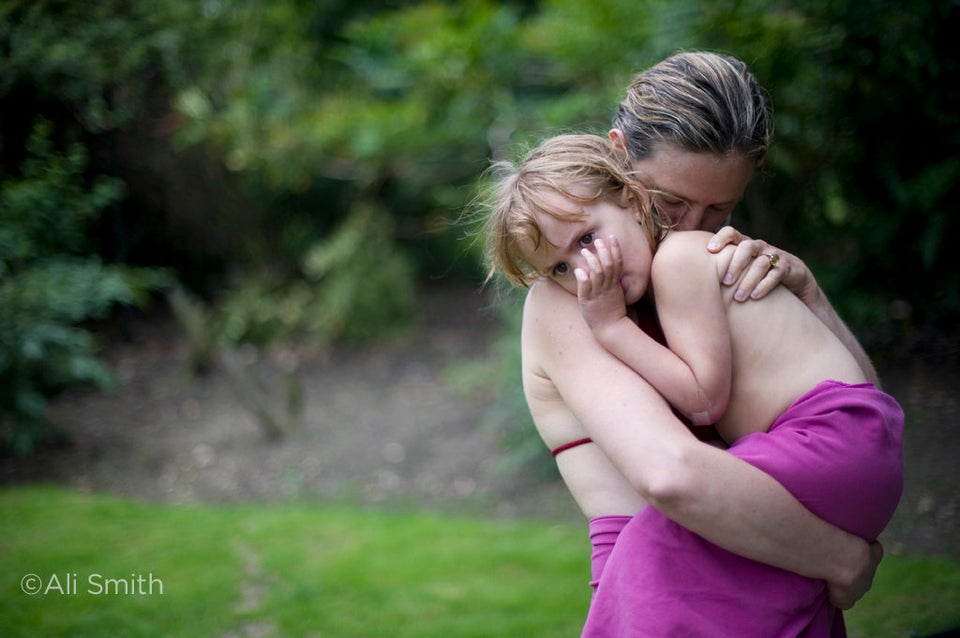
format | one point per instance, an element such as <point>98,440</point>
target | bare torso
<point>780,351</point>
<point>595,484</point>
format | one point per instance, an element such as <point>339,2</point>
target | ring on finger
<point>774,259</point>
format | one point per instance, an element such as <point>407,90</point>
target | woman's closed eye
<point>670,205</point>
<point>723,209</point>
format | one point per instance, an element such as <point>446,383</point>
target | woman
<point>639,451</point>
<point>696,126</point>
<point>820,429</point>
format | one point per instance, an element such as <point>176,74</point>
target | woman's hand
<point>757,267</point>
<point>846,595</point>
<point>598,285</point>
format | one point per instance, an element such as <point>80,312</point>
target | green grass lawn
<point>113,567</point>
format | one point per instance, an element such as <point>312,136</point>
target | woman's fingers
<point>756,267</point>
<point>777,270</point>
<point>724,236</point>
<point>743,256</point>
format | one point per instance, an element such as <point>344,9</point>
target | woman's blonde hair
<point>696,101</point>
<point>581,168</point>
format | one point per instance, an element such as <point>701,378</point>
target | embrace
<point>712,416</point>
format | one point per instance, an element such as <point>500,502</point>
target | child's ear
<point>626,198</point>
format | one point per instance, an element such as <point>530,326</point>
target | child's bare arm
<point>696,379</point>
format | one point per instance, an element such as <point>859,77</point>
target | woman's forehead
<point>701,178</point>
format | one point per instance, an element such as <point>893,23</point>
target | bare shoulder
<point>545,292</point>
<point>681,249</point>
<point>553,328</point>
<point>548,305</point>
<point>683,242</point>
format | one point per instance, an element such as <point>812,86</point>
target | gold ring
<point>774,259</point>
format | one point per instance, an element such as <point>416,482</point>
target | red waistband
<point>567,446</point>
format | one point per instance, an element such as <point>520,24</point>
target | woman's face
<point>698,191</point>
<point>563,239</point>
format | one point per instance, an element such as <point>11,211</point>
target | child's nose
<point>579,261</point>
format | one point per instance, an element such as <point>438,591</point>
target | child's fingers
<point>584,285</point>
<point>616,256</point>
<point>607,262</point>
<point>593,265</point>
<point>604,256</point>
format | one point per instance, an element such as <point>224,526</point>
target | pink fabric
<point>604,531</point>
<point>838,450</point>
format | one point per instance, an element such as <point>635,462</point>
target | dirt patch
<point>383,427</point>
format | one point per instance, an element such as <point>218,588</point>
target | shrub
<point>49,285</point>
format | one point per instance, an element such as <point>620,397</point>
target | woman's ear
<point>618,139</point>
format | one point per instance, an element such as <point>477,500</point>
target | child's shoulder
<point>545,296</point>
<point>680,244</point>
<point>685,240</point>
<point>682,252</point>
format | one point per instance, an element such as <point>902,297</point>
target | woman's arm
<point>755,276</point>
<point>712,493</point>
<point>693,374</point>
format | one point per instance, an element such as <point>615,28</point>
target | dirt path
<point>384,428</point>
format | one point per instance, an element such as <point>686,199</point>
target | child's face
<point>563,239</point>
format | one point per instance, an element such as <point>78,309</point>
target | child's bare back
<point>780,349</point>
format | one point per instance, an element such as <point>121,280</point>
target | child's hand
<point>598,285</point>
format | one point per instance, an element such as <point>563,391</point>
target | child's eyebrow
<point>571,238</point>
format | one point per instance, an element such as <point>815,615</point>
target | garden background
<point>244,344</point>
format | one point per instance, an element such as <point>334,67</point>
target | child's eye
<point>586,240</point>
<point>561,269</point>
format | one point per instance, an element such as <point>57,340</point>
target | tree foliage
<point>314,109</point>
<point>407,104</point>
<point>49,285</point>
<point>251,137</point>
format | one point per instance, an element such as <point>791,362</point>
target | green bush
<point>49,285</point>
<point>355,285</point>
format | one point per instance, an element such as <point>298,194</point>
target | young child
<point>782,390</point>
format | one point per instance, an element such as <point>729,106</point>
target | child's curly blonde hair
<point>580,167</point>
